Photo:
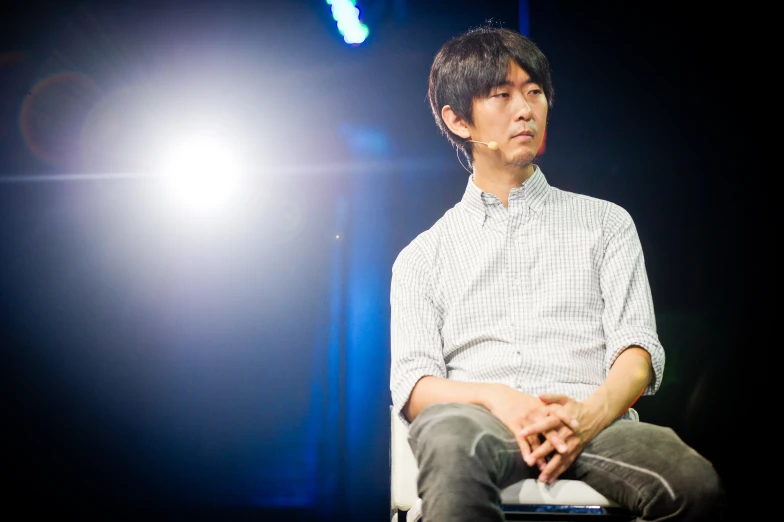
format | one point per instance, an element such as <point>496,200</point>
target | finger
<point>544,449</point>
<point>559,437</point>
<point>548,474</point>
<point>567,419</point>
<point>566,434</point>
<point>554,398</point>
<point>545,424</point>
<point>525,447</point>
<point>558,442</point>
<point>560,462</point>
<point>552,442</point>
<point>555,468</point>
<point>559,411</point>
<point>535,442</point>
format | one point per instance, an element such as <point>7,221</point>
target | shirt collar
<point>533,191</point>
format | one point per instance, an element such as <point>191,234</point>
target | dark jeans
<point>466,456</point>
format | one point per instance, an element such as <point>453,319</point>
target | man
<point>523,327</point>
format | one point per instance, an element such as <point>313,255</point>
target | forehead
<point>516,74</point>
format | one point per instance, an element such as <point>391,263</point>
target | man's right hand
<point>519,410</point>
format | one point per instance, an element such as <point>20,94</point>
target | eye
<point>535,92</point>
<point>501,95</point>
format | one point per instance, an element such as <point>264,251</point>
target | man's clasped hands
<point>552,429</point>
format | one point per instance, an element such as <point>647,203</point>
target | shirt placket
<point>518,213</point>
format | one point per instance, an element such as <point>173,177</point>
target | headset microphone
<point>490,144</point>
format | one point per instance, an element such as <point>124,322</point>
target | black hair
<point>471,65</point>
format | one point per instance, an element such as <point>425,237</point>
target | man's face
<point>513,115</point>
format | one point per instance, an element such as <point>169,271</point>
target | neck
<point>500,181</point>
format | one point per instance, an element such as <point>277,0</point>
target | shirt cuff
<point>647,340</point>
<point>404,385</point>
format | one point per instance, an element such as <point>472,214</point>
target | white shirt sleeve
<point>628,318</point>
<point>416,342</point>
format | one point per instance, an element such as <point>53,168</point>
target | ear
<point>455,123</point>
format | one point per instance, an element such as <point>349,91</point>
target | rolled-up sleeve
<point>628,317</point>
<point>416,343</point>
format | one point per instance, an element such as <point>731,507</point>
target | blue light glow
<point>347,16</point>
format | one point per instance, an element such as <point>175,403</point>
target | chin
<point>522,160</point>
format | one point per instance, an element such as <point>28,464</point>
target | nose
<point>522,109</point>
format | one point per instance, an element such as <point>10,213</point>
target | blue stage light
<point>347,15</point>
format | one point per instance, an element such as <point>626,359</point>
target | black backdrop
<point>115,402</point>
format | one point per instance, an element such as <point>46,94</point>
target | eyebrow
<point>507,83</point>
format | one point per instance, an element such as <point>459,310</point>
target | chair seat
<point>563,492</point>
<point>531,492</point>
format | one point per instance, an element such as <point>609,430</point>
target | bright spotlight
<point>201,174</point>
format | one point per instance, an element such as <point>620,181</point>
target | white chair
<point>525,500</point>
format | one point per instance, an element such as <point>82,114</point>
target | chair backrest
<point>403,466</point>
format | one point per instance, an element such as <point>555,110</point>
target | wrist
<point>599,408</point>
<point>485,394</point>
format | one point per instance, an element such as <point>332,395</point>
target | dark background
<point>158,368</point>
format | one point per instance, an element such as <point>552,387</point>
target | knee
<point>443,432</point>
<point>688,486</point>
<point>700,489</point>
<point>694,490</point>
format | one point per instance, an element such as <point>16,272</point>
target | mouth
<point>524,134</point>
